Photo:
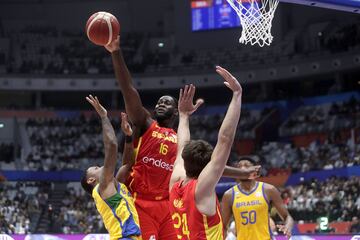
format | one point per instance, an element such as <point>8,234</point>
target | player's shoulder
<point>270,190</point>
<point>269,187</point>
<point>230,191</point>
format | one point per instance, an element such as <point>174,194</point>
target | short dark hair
<point>196,155</point>
<point>250,159</point>
<point>85,185</point>
<point>176,101</point>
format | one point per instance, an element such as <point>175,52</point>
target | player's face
<point>165,108</point>
<point>93,173</point>
<point>244,164</point>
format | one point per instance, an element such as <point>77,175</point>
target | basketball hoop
<point>256,20</point>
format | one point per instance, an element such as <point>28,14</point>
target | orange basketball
<point>102,28</point>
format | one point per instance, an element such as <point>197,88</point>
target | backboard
<point>344,5</point>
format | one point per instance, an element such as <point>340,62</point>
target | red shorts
<point>155,220</point>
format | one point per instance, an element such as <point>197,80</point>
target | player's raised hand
<point>114,45</point>
<point>285,230</point>
<point>230,81</point>
<point>186,100</point>
<point>254,171</point>
<point>125,125</point>
<point>94,101</point>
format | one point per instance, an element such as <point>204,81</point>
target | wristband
<point>128,139</point>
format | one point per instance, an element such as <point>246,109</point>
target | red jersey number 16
<point>163,149</point>
<point>181,221</point>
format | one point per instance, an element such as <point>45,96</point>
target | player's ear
<point>176,111</point>
<point>91,180</point>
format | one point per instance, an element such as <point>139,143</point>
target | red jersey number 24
<point>180,221</point>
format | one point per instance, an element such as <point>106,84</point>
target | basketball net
<point>256,20</point>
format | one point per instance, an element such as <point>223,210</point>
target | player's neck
<point>167,123</point>
<point>247,186</point>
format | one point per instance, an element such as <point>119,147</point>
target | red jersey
<point>154,163</point>
<point>188,221</point>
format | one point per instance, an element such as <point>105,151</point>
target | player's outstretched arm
<point>106,185</point>
<point>205,189</point>
<point>137,113</point>
<point>128,158</point>
<point>248,173</point>
<point>186,108</point>
<point>275,198</point>
<point>226,209</point>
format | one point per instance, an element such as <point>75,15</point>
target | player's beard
<point>164,116</point>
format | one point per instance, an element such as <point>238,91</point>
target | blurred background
<point>300,115</point>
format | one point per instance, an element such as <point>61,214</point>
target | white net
<point>256,20</point>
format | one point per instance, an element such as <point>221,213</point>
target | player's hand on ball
<point>186,100</point>
<point>254,171</point>
<point>114,45</point>
<point>125,125</point>
<point>230,81</point>
<point>94,101</point>
<point>285,230</point>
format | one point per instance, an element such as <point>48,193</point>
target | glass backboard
<point>344,5</point>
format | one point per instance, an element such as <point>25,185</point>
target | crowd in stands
<point>46,50</point>
<point>324,117</point>
<point>329,155</point>
<point>21,204</point>
<point>6,152</point>
<point>76,142</point>
<point>336,198</point>
<point>64,143</point>
<point>345,38</point>
<point>77,216</point>
<point>207,126</point>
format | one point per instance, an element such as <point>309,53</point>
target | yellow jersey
<point>251,213</point>
<point>118,213</point>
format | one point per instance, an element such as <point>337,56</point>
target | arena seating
<point>46,50</point>
<point>64,143</point>
<point>338,199</point>
<point>21,204</point>
<point>316,156</point>
<point>323,117</point>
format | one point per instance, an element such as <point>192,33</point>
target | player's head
<point>196,155</point>
<point>90,178</point>
<point>166,109</point>
<point>243,163</point>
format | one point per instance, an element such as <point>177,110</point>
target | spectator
<point>355,225</point>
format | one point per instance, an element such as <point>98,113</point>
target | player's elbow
<point>225,138</point>
<point>113,144</point>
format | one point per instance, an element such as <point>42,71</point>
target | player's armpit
<point>123,173</point>
<point>107,190</point>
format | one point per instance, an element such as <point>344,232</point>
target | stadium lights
<point>160,44</point>
<point>2,125</point>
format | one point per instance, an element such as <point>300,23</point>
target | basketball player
<point>112,199</point>
<point>249,202</point>
<point>156,145</point>
<point>193,203</point>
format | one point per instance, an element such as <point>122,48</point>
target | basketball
<point>102,28</point>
